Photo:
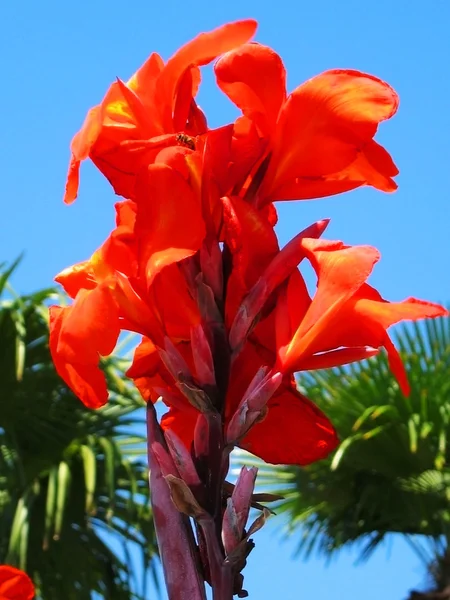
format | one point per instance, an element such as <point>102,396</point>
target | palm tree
<point>74,509</point>
<point>391,472</point>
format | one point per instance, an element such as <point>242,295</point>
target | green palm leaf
<point>74,503</point>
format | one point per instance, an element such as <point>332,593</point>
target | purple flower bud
<point>182,459</point>
<point>212,269</point>
<point>202,355</point>
<point>253,404</point>
<point>278,270</point>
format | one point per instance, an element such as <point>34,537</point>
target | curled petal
<point>79,335</point>
<point>368,317</point>
<point>341,272</point>
<point>254,78</point>
<point>373,166</point>
<point>85,380</point>
<point>200,51</point>
<point>81,147</point>
<point>78,277</point>
<point>324,124</point>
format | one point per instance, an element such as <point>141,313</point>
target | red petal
<point>341,273</point>
<point>15,584</point>
<point>396,365</point>
<point>310,188</point>
<point>187,89</point>
<point>146,360</point>
<point>247,150</point>
<point>78,277</point>
<point>390,313</point>
<point>90,326</point>
<point>200,51</point>
<point>147,370</point>
<point>169,222</point>
<point>254,78</point>
<point>363,321</point>
<point>177,309</point>
<point>125,214</point>
<point>85,379</point>
<point>181,422</point>
<point>294,432</point>
<point>373,166</point>
<point>81,147</point>
<point>292,305</point>
<point>143,82</point>
<point>370,318</point>
<point>324,124</point>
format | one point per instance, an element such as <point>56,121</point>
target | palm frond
<point>68,474</point>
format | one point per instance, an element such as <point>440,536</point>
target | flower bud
<point>252,407</point>
<point>202,355</point>
<point>182,459</point>
<point>278,270</point>
<point>237,510</point>
<point>212,269</point>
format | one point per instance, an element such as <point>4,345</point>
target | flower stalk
<point>173,531</point>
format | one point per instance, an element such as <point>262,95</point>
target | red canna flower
<point>318,140</point>
<point>155,106</point>
<point>15,584</point>
<point>195,267</point>
<point>347,319</point>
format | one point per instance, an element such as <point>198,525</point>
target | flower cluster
<point>194,264</point>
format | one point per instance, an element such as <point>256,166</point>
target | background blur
<point>57,60</point>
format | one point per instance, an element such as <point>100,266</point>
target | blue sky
<point>57,60</point>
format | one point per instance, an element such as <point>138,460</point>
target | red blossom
<point>194,266</point>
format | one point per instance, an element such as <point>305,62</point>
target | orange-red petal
<point>181,422</point>
<point>341,272</point>
<point>174,304</point>
<point>81,147</point>
<point>254,78</point>
<point>15,584</point>
<point>199,51</point>
<point>366,318</point>
<point>79,335</point>
<point>169,222</point>
<point>143,82</point>
<point>85,379</point>
<point>77,277</point>
<point>373,166</point>
<point>324,124</point>
<point>148,371</point>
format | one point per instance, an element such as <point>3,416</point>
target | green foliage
<point>73,482</point>
<point>391,472</point>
